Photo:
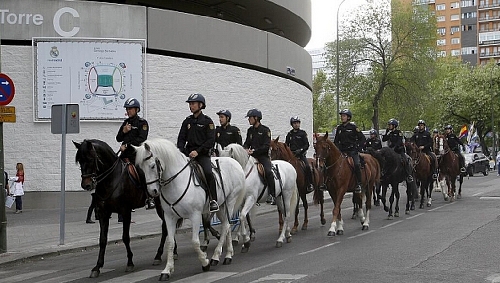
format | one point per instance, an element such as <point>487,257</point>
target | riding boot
<point>357,173</point>
<point>408,169</point>
<point>436,167</point>
<point>271,190</point>
<point>461,159</point>
<point>150,204</point>
<point>212,192</point>
<point>308,176</point>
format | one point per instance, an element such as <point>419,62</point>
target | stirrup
<point>463,170</point>
<point>409,179</point>
<point>434,176</point>
<point>214,206</point>
<point>270,199</point>
<point>358,189</point>
<point>310,188</point>
<point>150,204</point>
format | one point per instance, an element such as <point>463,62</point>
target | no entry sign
<point>7,89</point>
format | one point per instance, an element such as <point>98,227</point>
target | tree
<point>323,104</point>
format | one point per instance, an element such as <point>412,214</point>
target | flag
<point>470,133</point>
<point>463,132</point>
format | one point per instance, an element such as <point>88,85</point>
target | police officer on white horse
<point>297,141</point>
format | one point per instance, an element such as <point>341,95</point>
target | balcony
<point>424,2</point>
<point>488,6</point>
<point>489,55</point>
<point>490,42</point>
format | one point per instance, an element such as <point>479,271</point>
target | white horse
<point>286,191</point>
<point>169,174</point>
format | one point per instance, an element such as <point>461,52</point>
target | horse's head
<point>90,161</point>
<point>323,150</point>
<point>280,151</point>
<point>440,145</point>
<point>411,149</point>
<point>236,152</point>
<point>151,166</point>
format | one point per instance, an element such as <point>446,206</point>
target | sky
<point>324,19</point>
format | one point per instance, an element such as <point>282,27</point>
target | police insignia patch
<point>357,130</point>
<point>189,126</point>
<point>211,126</point>
<point>145,127</point>
<point>269,134</point>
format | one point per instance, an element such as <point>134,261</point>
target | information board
<point>99,75</point>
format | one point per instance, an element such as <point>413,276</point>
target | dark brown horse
<point>280,151</point>
<point>449,167</point>
<point>339,178</point>
<point>423,171</point>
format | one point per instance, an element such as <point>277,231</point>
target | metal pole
<point>3,216</point>
<point>63,176</point>
<point>492,92</point>
<point>338,65</point>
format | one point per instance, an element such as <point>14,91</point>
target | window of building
<point>454,5</point>
<point>441,31</point>
<point>440,7</point>
<point>455,40</point>
<point>441,42</point>
<point>454,29</point>
<point>455,17</point>
<point>440,18</point>
<point>468,3</point>
<point>482,51</point>
<point>468,15</point>
<point>455,52</point>
<point>441,53</point>
<point>468,27</point>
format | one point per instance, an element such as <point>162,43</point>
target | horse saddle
<point>350,161</point>
<point>200,175</point>
<point>132,172</point>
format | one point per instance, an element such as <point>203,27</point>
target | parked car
<point>476,163</point>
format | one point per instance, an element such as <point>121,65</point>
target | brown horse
<point>449,167</point>
<point>280,151</point>
<point>423,171</point>
<point>339,175</point>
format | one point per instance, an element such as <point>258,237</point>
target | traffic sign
<point>9,118</point>
<point>7,109</point>
<point>7,89</point>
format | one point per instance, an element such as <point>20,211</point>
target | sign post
<point>65,119</point>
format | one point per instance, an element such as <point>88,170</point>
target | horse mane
<point>160,147</point>
<point>282,149</point>
<point>98,145</point>
<point>237,152</point>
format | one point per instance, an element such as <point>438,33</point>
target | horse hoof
<point>407,212</point>
<point>94,273</point>
<point>377,203</point>
<point>203,248</point>
<point>227,261</point>
<point>129,268</point>
<point>428,205</point>
<point>235,243</point>
<point>331,234</point>
<point>245,247</point>
<point>206,268</point>
<point>323,221</point>
<point>304,227</point>
<point>340,232</point>
<point>353,216</point>
<point>279,244</point>
<point>365,227</point>
<point>459,196</point>
<point>288,239</point>
<point>396,214</point>
<point>386,209</point>
<point>252,238</point>
<point>293,231</point>
<point>214,262</point>
<point>421,205</point>
<point>176,256</point>
<point>157,262</point>
<point>164,277</point>
<point>390,217</point>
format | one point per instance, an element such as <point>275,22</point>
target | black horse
<point>116,190</point>
<point>393,173</point>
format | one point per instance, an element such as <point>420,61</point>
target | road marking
<point>205,277</point>
<point>258,268</point>
<point>476,194</point>
<point>280,277</point>
<point>494,278</point>
<point>26,276</point>
<point>319,248</point>
<point>439,207</point>
<point>490,198</point>
<point>389,225</point>
<point>361,234</point>
<point>72,276</point>
<point>135,276</point>
<point>411,217</point>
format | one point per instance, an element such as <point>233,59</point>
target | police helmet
<point>393,122</point>
<point>436,131</point>
<point>225,112</point>
<point>415,130</point>
<point>448,127</point>
<point>132,103</point>
<point>347,112</point>
<point>421,122</point>
<point>373,132</point>
<point>196,97</point>
<point>294,119</point>
<point>254,113</point>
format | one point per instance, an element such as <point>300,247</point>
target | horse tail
<point>318,196</point>
<point>294,199</point>
<point>240,199</point>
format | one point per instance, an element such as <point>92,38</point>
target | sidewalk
<point>35,233</point>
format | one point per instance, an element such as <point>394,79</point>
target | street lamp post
<point>338,65</point>
<point>492,92</point>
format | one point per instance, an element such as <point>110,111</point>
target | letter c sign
<point>57,19</point>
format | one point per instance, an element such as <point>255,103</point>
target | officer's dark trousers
<point>206,164</point>
<point>433,157</point>
<point>307,168</point>
<point>357,169</point>
<point>266,162</point>
<point>406,163</point>
<point>461,159</point>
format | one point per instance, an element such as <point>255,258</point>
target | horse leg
<point>429,193</point>
<point>368,205</point>
<point>296,222</point>
<point>169,267</point>
<point>361,214</point>
<point>395,189</point>
<point>306,217</point>
<point>423,186</point>
<point>384,195</point>
<point>103,241</point>
<point>164,233</point>
<point>127,217</point>
<point>322,213</point>
<point>460,181</point>
<point>391,201</point>
<point>195,240</point>
<point>376,195</point>
<point>225,228</point>
<point>355,206</point>
<point>337,201</point>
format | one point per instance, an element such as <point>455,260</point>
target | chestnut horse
<point>339,178</point>
<point>449,167</point>
<point>423,171</point>
<point>280,151</point>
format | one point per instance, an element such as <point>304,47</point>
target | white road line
<point>416,215</point>
<point>439,207</point>
<point>389,225</point>
<point>476,194</point>
<point>205,277</point>
<point>258,268</point>
<point>490,198</point>
<point>494,278</point>
<point>319,248</point>
<point>135,276</point>
<point>72,276</point>
<point>26,276</point>
<point>361,234</point>
<point>280,278</point>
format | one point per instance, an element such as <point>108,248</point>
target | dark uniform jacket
<point>137,135</point>
<point>297,141</point>
<point>372,143</point>
<point>394,140</point>
<point>227,135</point>
<point>259,140</point>
<point>196,134</point>
<point>453,142</point>
<point>348,137</point>
<point>422,138</point>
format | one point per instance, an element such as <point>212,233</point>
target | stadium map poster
<point>97,74</point>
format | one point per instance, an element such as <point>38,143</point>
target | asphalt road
<point>447,242</point>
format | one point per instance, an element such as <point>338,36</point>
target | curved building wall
<point>229,75</point>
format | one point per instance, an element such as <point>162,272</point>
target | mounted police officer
<point>257,145</point>
<point>454,142</point>
<point>394,138</point>
<point>435,132</point>
<point>349,139</point>
<point>373,143</point>
<point>422,138</point>
<point>196,139</point>
<point>297,140</point>
<point>133,131</point>
<point>226,134</point>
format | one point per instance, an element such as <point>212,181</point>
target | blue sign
<point>7,89</point>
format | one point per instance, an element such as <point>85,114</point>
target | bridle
<point>159,172</point>
<point>96,179</point>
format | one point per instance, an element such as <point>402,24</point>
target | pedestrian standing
<point>18,187</point>
<point>498,164</point>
